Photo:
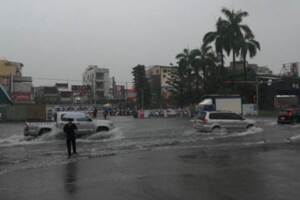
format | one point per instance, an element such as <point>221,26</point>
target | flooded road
<point>19,152</point>
<point>160,140</point>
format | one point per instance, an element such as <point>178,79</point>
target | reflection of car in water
<point>208,121</point>
<point>84,123</point>
<point>288,116</point>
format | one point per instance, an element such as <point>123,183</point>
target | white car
<point>84,123</point>
<point>208,121</point>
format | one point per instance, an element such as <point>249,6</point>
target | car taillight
<point>205,121</point>
<point>290,113</point>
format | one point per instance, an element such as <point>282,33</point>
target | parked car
<point>209,121</point>
<point>288,116</point>
<point>84,123</point>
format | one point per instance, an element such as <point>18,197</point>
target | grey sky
<point>59,38</point>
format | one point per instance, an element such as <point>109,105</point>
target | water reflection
<point>70,177</point>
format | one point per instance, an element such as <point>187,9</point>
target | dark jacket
<point>70,130</point>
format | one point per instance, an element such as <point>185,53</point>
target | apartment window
<point>99,76</point>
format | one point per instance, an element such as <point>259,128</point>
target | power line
<point>56,79</point>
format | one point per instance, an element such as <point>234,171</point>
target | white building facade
<point>99,81</point>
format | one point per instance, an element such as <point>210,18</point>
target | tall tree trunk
<point>222,61</point>
<point>197,80</point>
<point>204,79</point>
<point>233,60</point>
<point>222,66</point>
<point>190,86</point>
<point>245,67</point>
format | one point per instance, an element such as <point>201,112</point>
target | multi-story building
<point>47,95</point>
<point>17,86</point>
<point>10,68</point>
<point>239,66</point>
<point>81,93</point>
<point>99,81</point>
<point>159,77</point>
<point>66,95</point>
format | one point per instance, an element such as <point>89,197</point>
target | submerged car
<point>288,116</point>
<point>209,121</point>
<point>84,123</point>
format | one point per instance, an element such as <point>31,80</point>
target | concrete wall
<point>22,112</point>
<point>249,109</point>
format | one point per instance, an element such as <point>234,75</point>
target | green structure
<point>4,97</point>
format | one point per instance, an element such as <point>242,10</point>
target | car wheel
<point>102,128</point>
<point>249,126</point>
<point>44,130</point>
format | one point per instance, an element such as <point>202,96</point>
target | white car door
<point>236,122</point>
<point>85,124</point>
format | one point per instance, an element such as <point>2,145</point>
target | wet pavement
<point>153,159</point>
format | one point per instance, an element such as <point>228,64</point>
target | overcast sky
<point>60,38</point>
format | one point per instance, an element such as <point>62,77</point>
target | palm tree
<point>249,45</point>
<point>203,58</point>
<point>219,38</point>
<point>185,61</point>
<point>235,31</point>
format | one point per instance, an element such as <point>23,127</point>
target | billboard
<point>22,87</point>
<point>290,69</point>
<point>21,96</point>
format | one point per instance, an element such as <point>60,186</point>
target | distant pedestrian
<point>70,130</point>
<point>105,113</point>
<point>95,112</point>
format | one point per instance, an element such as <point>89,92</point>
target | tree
<point>249,45</point>
<point>185,60</point>
<point>234,31</point>
<point>178,84</point>
<point>142,86</point>
<point>219,39</point>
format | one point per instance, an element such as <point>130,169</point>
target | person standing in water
<point>70,130</point>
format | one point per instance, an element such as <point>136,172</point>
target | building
<point>47,95</point>
<point>290,70</point>
<point>66,95</point>
<point>81,93</point>
<point>260,70</point>
<point>99,81</point>
<point>19,87</point>
<point>10,68</point>
<point>131,95</point>
<point>159,77</point>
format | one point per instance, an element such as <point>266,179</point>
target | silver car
<point>209,121</point>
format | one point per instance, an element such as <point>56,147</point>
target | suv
<point>288,116</point>
<point>84,123</point>
<point>209,121</point>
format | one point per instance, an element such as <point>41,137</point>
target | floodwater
<point>167,157</point>
<point>19,152</point>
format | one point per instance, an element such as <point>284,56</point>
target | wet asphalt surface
<point>153,159</point>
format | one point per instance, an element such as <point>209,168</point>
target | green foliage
<point>142,86</point>
<point>201,71</point>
